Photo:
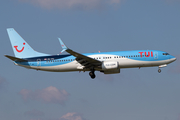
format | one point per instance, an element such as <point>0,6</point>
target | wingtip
<point>59,39</point>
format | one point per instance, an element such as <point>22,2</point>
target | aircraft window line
<point>102,58</point>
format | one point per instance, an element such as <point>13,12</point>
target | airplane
<point>106,62</point>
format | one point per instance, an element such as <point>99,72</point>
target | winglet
<point>62,45</point>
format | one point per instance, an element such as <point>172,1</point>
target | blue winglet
<point>62,45</point>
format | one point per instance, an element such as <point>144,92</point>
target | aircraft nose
<point>173,58</point>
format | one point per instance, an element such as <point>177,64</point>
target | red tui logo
<point>19,50</point>
<point>146,55</point>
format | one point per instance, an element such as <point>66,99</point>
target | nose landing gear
<point>159,70</point>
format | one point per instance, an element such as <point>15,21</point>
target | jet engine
<point>109,65</point>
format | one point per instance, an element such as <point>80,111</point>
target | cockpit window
<point>165,53</point>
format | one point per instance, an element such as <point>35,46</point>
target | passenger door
<point>38,62</point>
<point>155,55</point>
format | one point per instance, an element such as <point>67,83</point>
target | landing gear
<point>159,70</point>
<point>92,74</point>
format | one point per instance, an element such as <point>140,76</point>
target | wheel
<point>159,70</point>
<point>92,75</point>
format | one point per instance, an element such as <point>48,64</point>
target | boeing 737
<point>106,62</point>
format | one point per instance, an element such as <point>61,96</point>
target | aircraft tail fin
<point>20,47</point>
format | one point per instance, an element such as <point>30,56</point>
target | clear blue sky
<point>91,26</point>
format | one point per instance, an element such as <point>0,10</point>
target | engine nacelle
<point>109,65</point>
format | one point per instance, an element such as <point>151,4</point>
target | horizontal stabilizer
<point>15,58</point>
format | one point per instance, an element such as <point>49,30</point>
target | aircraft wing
<point>86,61</point>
